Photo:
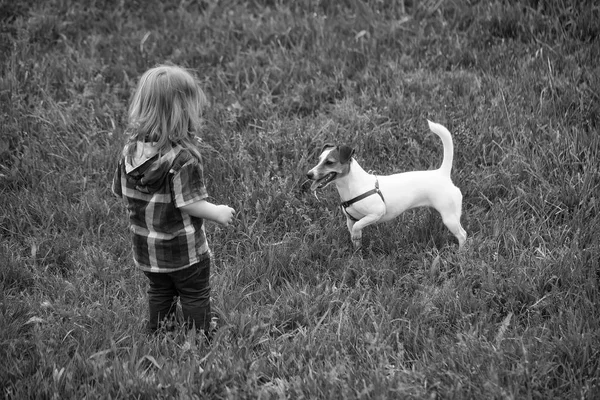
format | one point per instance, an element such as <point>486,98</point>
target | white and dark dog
<point>368,199</point>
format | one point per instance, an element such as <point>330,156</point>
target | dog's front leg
<point>356,241</point>
<point>356,228</point>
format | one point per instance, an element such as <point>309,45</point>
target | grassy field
<point>516,315</point>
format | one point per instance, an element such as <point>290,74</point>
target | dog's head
<point>334,162</point>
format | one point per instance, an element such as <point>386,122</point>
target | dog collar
<point>371,192</point>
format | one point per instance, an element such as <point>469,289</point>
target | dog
<point>369,199</point>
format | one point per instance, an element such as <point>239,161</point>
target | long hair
<point>166,108</point>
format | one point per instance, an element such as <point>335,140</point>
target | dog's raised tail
<point>444,134</point>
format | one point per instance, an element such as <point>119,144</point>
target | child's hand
<point>224,215</point>
<point>221,214</point>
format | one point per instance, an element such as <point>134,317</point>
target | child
<point>160,178</point>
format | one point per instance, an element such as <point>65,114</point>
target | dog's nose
<point>309,174</point>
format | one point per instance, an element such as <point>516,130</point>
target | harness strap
<point>344,205</point>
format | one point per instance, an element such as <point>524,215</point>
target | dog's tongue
<point>321,183</point>
<point>315,185</point>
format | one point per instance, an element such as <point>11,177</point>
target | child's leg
<point>194,293</point>
<point>161,301</point>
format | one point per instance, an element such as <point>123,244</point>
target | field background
<point>517,315</point>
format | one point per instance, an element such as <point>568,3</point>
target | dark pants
<point>192,287</point>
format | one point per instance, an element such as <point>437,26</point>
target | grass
<point>514,316</point>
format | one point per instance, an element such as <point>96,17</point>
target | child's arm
<point>220,214</point>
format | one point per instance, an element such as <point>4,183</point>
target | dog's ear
<point>346,153</point>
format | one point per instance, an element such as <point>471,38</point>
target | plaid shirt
<point>165,239</point>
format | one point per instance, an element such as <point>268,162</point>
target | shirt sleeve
<point>188,184</point>
<point>116,182</point>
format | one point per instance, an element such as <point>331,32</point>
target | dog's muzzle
<point>324,181</point>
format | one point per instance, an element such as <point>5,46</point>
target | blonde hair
<point>166,108</point>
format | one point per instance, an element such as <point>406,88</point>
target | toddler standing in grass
<point>160,178</point>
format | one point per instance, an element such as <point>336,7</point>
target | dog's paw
<point>464,246</point>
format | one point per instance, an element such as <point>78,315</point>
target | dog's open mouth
<point>318,184</point>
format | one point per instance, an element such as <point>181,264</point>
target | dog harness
<point>348,203</point>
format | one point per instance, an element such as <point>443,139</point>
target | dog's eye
<point>328,162</point>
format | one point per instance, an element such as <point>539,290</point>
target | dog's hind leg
<point>453,224</point>
<point>451,211</point>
